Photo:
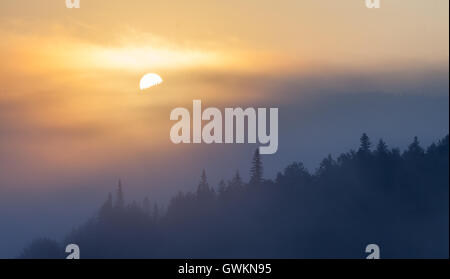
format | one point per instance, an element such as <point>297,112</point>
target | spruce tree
<point>365,145</point>
<point>256,171</point>
<point>382,148</point>
<point>203,185</point>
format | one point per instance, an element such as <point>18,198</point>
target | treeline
<point>375,194</point>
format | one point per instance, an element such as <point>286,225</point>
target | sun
<point>149,80</point>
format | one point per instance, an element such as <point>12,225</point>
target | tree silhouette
<point>120,200</point>
<point>365,144</point>
<point>256,171</point>
<point>399,200</point>
<point>236,182</point>
<point>414,149</point>
<point>382,148</point>
<point>203,186</point>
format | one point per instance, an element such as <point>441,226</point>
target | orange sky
<point>69,77</point>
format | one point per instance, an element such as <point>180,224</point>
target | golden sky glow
<point>69,78</point>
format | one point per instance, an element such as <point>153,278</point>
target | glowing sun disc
<point>149,80</point>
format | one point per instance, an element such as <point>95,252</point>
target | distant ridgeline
<point>398,200</point>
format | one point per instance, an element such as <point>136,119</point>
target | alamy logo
<point>370,4</point>
<point>73,4</point>
<point>74,251</point>
<point>212,131</point>
<point>374,251</point>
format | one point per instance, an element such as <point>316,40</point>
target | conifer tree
<point>120,200</point>
<point>256,171</point>
<point>203,185</point>
<point>365,144</point>
<point>382,148</point>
